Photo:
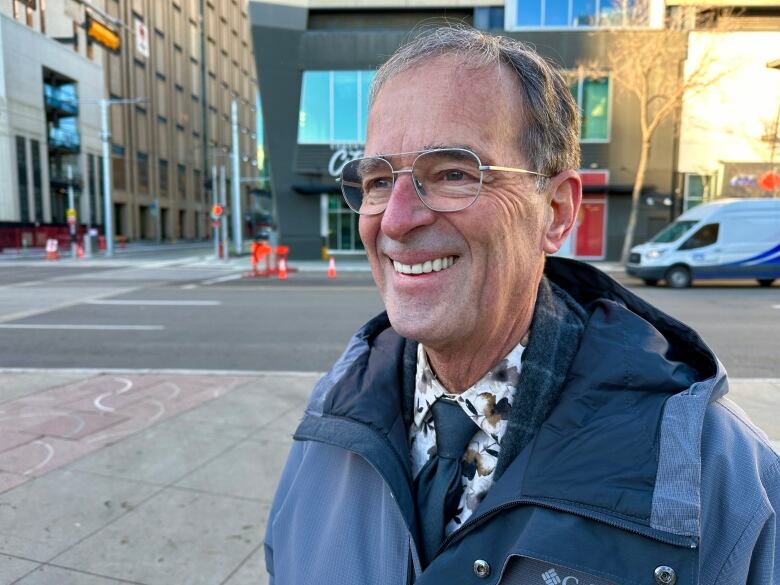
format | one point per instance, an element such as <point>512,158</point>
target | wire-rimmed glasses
<point>445,179</point>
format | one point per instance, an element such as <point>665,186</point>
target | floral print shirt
<point>488,403</point>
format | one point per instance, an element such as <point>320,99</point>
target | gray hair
<point>550,138</point>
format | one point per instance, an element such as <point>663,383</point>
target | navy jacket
<point>642,474</point>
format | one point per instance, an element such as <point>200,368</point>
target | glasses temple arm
<point>511,170</point>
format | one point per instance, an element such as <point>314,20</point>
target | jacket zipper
<point>472,523</point>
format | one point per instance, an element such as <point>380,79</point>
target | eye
<point>454,175</point>
<point>377,183</point>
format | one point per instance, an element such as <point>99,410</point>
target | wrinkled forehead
<point>446,101</point>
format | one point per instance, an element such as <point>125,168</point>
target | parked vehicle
<point>728,238</point>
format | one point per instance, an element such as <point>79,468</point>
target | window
<point>696,189</point>
<point>163,177</point>
<point>573,13</point>
<point>143,172</point>
<point>592,96</point>
<point>21,177</point>
<point>118,166</point>
<point>181,180</point>
<point>197,185</point>
<point>489,17</point>
<point>334,107</point>
<point>37,180</point>
<point>704,236</point>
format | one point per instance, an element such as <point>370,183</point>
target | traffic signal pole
<point>214,201</point>
<point>223,202</point>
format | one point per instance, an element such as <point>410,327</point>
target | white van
<point>728,238</point>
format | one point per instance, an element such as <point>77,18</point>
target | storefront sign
<point>743,181</point>
<point>341,156</point>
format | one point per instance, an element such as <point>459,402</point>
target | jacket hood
<point>625,436</point>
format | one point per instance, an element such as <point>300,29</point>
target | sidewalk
<point>146,478</point>
<point>160,478</point>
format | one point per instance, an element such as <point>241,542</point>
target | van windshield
<point>673,232</point>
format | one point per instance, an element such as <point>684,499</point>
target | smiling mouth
<point>425,267</point>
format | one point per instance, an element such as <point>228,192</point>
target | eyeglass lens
<point>445,180</point>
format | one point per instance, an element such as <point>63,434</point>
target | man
<point>510,419</point>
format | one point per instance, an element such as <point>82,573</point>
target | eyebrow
<point>438,146</point>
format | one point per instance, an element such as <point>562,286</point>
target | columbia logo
<point>551,577</point>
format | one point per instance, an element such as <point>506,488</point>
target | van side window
<point>704,236</point>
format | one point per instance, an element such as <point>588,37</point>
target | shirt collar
<point>482,401</point>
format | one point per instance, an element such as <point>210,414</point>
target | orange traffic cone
<point>282,269</point>
<point>332,268</point>
<point>79,251</point>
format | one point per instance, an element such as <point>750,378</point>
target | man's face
<point>497,243</point>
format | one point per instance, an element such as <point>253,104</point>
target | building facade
<point>44,130</point>
<point>315,63</point>
<point>184,77</point>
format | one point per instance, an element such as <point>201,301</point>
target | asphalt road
<point>196,317</point>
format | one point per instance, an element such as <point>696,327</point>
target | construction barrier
<point>274,260</point>
<point>52,249</point>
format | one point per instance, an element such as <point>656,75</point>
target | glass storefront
<point>343,235</point>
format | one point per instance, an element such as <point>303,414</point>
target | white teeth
<point>424,268</point>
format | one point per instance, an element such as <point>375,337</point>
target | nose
<point>405,212</point>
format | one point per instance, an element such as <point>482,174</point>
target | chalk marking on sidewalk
<point>154,302</point>
<point>67,327</point>
<point>98,402</point>
<point>49,455</point>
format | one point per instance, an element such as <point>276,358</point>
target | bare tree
<point>648,65</point>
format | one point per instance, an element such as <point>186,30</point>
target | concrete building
<point>162,149</point>
<point>43,130</point>
<point>315,61</point>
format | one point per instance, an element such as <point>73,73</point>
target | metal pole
<point>71,206</point>
<point>235,182</point>
<point>108,211</point>
<point>223,200</point>
<point>215,200</point>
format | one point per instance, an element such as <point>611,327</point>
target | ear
<point>564,200</point>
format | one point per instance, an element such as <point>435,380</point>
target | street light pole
<point>105,136</point>
<point>235,182</point>
<point>108,212</point>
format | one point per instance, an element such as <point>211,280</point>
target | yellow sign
<point>70,212</point>
<point>102,35</point>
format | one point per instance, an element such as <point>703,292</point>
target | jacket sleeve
<point>755,558</point>
<point>283,490</point>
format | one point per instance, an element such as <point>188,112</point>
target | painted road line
<point>222,279</point>
<point>70,327</point>
<point>162,303</point>
<point>189,286</point>
<point>776,306</point>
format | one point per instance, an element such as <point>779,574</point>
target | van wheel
<point>678,277</point>
<point>765,281</point>
<point>651,281</point>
